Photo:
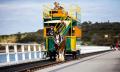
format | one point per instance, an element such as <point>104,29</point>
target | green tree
<point>18,37</point>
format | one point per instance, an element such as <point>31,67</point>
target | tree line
<point>98,33</point>
<point>95,33</point>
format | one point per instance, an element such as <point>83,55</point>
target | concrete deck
<point>105,62</point>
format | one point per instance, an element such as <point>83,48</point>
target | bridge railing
<point>14,53</point>
<point>91,49</point>
<point>17,53</point>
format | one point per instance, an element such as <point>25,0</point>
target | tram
<point>61,33</point>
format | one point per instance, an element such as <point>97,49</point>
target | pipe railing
<point>16,53</point>
<point>11,53</point>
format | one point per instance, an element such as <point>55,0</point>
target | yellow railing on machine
<point>57,23</point>
<point>46,9</point>
<point>73,12</point>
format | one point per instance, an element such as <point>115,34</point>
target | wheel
<point>74,54</point>
<point>78,53</point>
<point>52,55</point>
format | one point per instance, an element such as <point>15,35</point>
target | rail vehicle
<point>61,32</point>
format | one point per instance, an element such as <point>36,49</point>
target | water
<point>38,54</point>
<point>26,56</point>
<point>12,57</point>
<point>19,56</point>
<point>3,57</point>
<point>32,55</point>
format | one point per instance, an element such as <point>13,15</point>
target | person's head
<point>56,4</point>
<point>51,28</point>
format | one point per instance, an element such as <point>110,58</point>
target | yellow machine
<point>60,32</point>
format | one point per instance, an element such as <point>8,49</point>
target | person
<point>56,4</point>
<point>51,32</point>
<point>117,43</point>
<point>112,46</point>
<point>119,46</point>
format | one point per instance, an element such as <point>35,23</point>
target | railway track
<point>33,66</point>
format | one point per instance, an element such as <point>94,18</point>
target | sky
<point>26,15</point>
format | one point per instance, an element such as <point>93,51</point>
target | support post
<point>7,52</point>
<point>40,51</point>
<point>29,50</point>
<point>15,50</point>
<point>23,54</point>
<point>35,52</point>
